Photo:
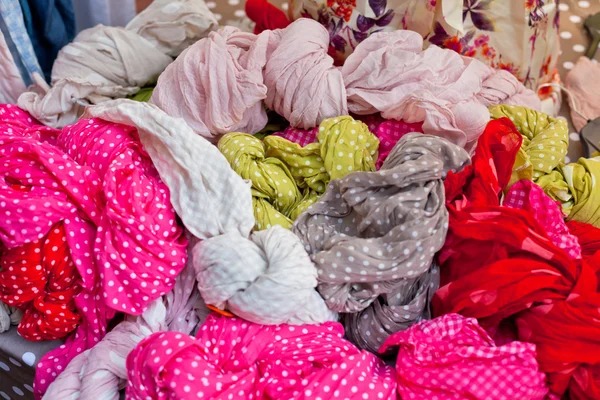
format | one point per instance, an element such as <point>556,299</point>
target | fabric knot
<point>267,279</point>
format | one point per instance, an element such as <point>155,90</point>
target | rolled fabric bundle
<point>303,85</point>
<point>453,354</point>
<point>9,316</point>
<point>373,233</point>
<point>139,264</point>
<point>109,62</point>
<point>274,191</point>
<point>390,73</point>
<point>211,199</point>
<point>499,266</point>
<point>234,358</point>
<point>545,141</point>
<point>186,89</point>
<point>100,371</point>
<point>574,185</point>
<point>526,195</point>
<point>268,279</point>
<point>502,87</point>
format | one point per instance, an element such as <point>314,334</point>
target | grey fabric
<point>375,233</point>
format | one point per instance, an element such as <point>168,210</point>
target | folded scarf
<point>452,357</point>
<point>498,265</point>
<point>215,204</point>
<point>375,233</point>
<point>110,62</point>
<point>290,71</point>
<point>234,358</point>
<point>545,141</point>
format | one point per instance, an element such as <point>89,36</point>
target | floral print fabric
<point>520,36</point>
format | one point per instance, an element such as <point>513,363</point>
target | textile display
<point>373,236</point>
<point>108,62</point>
<point>538,293</point>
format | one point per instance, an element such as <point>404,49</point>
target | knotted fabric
<point>292,178</point>
<point>9,316</point>
<point>574,185</point>
<point>110,62</point>
<point>212,200</point>
<point>545,141</point>
<point>389,72</point>
<point>452,357</point>
<point>268,279</point>
<point>234,358</point>
<point>100,371</point>
<point>373,233</point>
<point>498,265</point>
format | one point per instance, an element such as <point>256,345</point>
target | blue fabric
<point>13,28</point>
<point>51,26</point>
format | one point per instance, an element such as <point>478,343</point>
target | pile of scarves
<point>413,205</point>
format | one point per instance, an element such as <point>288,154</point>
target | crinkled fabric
<point>303,85</point>
<point>574,185</point>
<point>527,196</point>
<point>499,266</point>
<point>587,235</point>
<point>109,62</point>
<point>12,84</point>
<point>584,91</point>
<point>545,141</point>
<point>452,357</point>
<point>287,178</point>
<point>232,357</point>
<point>390,73</point>
<point>375,233</point>
<point>139,245</point>
<point>188,88</point>
<point>100,371</point>
<point>267,279</point>
<point>56,194</point>
<point>9,316</point>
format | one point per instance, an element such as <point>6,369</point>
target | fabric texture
<point>12,26</point>
<point>100,371</point>
<point>545,141</point>
<point>301,137</point>
<point>12,84</point>
<point>268,279</point>
<point>528,196</point>
<point>499,266</point>
<point>51,26</point>
<point>108,62</point>
<point>233,357</point>
<point>520,37</point>
<point>373,236</point>
<point>445,91</point>
<point>265,15</point>
<point>583,89</point>
<point>452,357</point>
<point>9,316</point>
<point>287,178</point>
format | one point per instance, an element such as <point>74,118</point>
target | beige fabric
<point>11,83</point>
<point>108,62</point>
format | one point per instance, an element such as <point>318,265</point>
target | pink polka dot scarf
<point>526,195</point>
<point>231,358</point>
<point>452,357</point>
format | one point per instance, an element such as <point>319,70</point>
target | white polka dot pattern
<point>235,359</point>
<point>372,230</point>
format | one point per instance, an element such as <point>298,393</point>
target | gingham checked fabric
<point>13,28</point>
<point>299,136</point>
<point>452,357</point>
<point>526,195</point>
<point>209,197</point>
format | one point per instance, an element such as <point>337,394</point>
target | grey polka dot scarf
<point>373,236</point>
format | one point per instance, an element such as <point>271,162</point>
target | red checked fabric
<point>499,266</point>
<point>452,357</point>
